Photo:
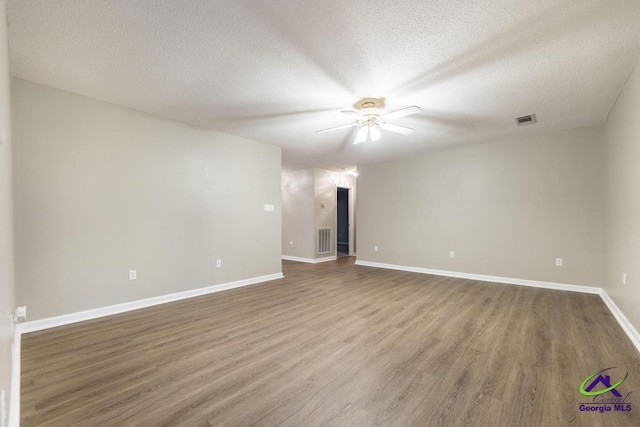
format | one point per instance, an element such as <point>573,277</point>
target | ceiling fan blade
<point>362,135</point>
<point>402,112</point>
<point>336,128</point>
<point>396,128</point>
<point>357,141</point>
<point>350,112</point>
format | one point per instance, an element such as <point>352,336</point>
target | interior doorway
<point>342,223</point>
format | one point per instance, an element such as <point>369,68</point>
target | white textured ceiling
<point>276,71</point>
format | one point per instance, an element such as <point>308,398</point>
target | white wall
<point>507,209</point>
<point>6,230</point>
<point>622,201</point>
<point>298,213</point>
<point>102,189</point>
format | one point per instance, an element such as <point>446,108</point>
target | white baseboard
<point>95,313</point>
<point>3,408</point>
<point>628,328</point>
<point>485,278</point>
<point>14,405</point>
<point>309,260</point>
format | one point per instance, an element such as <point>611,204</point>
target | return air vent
<point>324,240</point>
<point>526,120</point>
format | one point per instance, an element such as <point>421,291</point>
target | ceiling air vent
<point>525,120</point>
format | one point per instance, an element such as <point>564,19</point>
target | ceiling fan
<point>369,116</point>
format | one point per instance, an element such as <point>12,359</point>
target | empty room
<point>335,213</point>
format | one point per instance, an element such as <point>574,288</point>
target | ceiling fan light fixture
<point>362,134</point>
<point>374,133</point>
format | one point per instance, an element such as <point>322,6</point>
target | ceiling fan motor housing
<point>369,103</point>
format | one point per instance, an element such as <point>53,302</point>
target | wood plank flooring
<point>335,344</point>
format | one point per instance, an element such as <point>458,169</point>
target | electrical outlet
<point>133,274</point>
<point>558,262</point>
<point>218,263</point>
<point>291,243</point>
<point>452,254</point>
<point>20,314</point>
<point>624,278</point>
<point>375,248</point>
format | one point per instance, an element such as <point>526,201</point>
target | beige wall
<point>6,243</point>
<point>507,209</point>
<point>298,213</point>
<point>622,202</point>
<point>101,189</point>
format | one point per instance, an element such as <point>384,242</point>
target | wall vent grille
<point>525,120</point>
<point>324,240</point>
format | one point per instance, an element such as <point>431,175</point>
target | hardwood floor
<point>339,345</point>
